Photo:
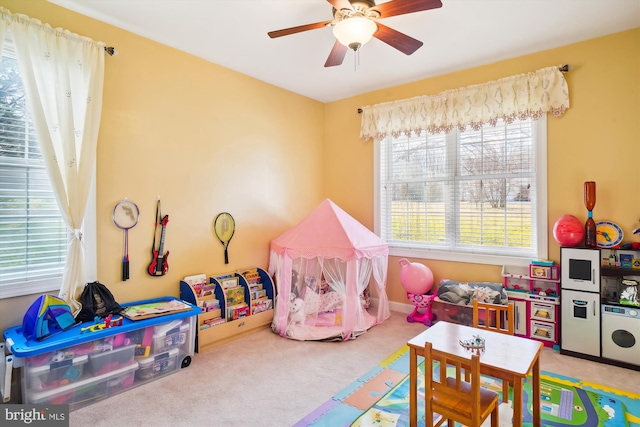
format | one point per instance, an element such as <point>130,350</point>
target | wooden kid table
<point>507,357</point>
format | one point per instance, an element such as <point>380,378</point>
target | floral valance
<point>522,96</point>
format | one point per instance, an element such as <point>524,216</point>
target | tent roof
<point>330,232</point>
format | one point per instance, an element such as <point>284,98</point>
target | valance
<point>521,96</point>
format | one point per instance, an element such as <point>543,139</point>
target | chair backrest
<point>494,317</point>
<point>446,392</point>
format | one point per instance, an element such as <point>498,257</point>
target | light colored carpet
<point>269,381</point>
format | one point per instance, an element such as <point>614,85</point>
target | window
<point>476,196</point>
<point>32,232</point>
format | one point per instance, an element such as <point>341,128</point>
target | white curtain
<point>63,75</point>
<point>517,97</point>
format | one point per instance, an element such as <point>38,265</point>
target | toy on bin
<point>417,280</point>
<point>47,316</point>
<point>101,324</point>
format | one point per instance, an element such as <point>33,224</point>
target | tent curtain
<point>521,97</point>
<point>63,75</point>
<point>380,268</point>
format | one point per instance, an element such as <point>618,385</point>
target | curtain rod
<point>111,50</point>
<point>563,69</point>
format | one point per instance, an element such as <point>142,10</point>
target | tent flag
<point>46,316</point>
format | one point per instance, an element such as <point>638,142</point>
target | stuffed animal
<point>58,356</point>
<point>297,313</point>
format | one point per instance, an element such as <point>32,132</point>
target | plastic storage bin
<point>170,335</point>
<point>55,374</point>
<point>458,313</point>
<point>101,363</point>
<point>88,390</point>
<point>106,357</point>
<point>155,366</point>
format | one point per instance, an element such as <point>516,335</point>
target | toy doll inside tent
<point>323,270</point>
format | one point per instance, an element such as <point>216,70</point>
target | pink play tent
<point>323,268</point>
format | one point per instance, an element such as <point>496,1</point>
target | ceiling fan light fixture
<point>354,32</point>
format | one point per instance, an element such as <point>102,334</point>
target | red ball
<point>568,231</point>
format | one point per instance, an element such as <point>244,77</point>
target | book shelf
<point>217,325</point>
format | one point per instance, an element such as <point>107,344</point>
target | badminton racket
<point>125,217</point>
<point>224,227</point>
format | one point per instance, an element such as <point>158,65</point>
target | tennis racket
<point>125,217</point>
<point>224,226</point>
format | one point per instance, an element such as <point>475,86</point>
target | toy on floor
<point>417,280</point>
<point>297,311</point>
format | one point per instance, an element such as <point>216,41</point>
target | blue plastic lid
<point>20,346</point>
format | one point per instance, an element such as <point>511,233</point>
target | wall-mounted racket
<point>224,226</point>
<point>367,11</point>
<point>125,217</point>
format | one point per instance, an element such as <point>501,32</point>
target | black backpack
<point>97,301</point>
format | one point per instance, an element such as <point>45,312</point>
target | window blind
<point>472,191</point>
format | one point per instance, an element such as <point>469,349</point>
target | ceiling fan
<point>356,21</point>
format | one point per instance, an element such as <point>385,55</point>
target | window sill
<point>465,257</point>
<point>17,289</point>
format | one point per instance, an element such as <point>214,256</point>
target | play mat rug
<point>381,398</point>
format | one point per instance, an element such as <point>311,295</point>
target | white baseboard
<point>395,306</point>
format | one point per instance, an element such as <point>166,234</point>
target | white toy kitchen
<point>600,305</point>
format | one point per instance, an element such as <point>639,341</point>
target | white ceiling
<point>459,35</point>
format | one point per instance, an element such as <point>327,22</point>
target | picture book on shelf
<point>249,272</point>
<point>237,311</point>
<point>235,295</point>
<point>220,277</point>
<point>210,305</point>
<point>240,313</point>
<point>255,287</point>
<point>197,282</point>
<point>212,322</point>
<point>262,293</point>
<point>196,279</point>
<point>207,289</point>
<point>228,282</point>
<point>261,305</point>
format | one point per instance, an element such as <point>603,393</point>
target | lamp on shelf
<point>354,32</point>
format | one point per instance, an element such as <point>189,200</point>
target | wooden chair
<point>450,396</point>
<point>504,323</point>
<point>503,314</point>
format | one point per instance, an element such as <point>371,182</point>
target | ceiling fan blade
<point>401,7</point>
<point>396,39</point>
<point>340,4</point>
<point>298,29</point>
<point>337,55</point>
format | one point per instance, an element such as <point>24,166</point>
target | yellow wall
<point>207,139</point>
<point>596,140</point>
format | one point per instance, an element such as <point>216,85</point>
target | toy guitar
<point>159,264</point>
